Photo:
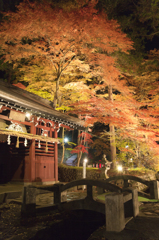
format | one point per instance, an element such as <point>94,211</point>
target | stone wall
<point>68,174</point>
<point>146,175</point>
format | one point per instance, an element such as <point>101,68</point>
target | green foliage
<point>132,152</point>
<point>101,145</point>
<point>68,174</point>
<point>130,64</point>
<point>138,18</point>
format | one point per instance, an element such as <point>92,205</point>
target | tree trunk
<point>112,146</point>
<point>57,95</point>
<point>79,155</point>
<point>112,134</point>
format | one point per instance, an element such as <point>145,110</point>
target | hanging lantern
<point>39,146</point>
<point>17,144</point>
<point>8,140</point>
<point>25,142</point>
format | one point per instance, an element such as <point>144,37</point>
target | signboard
<point>17,116</point>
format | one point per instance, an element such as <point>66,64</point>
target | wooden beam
<point>32,155</point>
<point>56,157</point>
<point>15,121</point>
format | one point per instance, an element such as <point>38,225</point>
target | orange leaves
<point>62,37</point>
<point>80,148</point>
<point>84,137</point>
<point>79,26</point>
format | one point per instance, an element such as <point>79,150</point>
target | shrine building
<point>29,140</point>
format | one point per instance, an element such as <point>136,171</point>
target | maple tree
<point>61,38</point>
<point>40,79</point>
<point>35,30</point>
<point>26,35</point>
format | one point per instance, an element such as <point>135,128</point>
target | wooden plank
<point>43,149</point>
<point>14,115</point>
<point>45,128</point>
<point>48,152</point>
<point>41,161</point>
<point>14,121</point>
<point>45,154</point>
<point>44,145</point>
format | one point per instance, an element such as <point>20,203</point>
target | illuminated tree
<point>63,37</point>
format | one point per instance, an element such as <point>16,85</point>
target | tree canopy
<point>82,38</point>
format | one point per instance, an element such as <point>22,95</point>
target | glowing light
<point>85,160</point>
<point>39,146</point>
<point>28,115</point>
<point>25,142</point>
<point>119,168</point>
<point>8,140</point>
<point>65,139</point>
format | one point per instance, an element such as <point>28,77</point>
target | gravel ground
<point>75,225</point>
<point>144,227</point>
<point>12,226</point>
<point>55,225</point>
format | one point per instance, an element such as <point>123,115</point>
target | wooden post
<point>126,183</point>
<point>57,194</point>
<point>28,208</point>
<point>32,155</point>
<point>154,189</point>
<point>131,206</point>
<point>56,157</point>
<point>114,212</point>
<point>135,202</point>
<point>89,192</point>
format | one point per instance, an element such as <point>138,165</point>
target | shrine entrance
<point>4,163</point>
<point>29,140</point>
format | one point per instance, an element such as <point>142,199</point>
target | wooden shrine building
<point>29,136</point>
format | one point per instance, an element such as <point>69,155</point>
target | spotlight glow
<point>119,168</point>
<point>28,115</point>
<point>65,139</point>
<point>85,160</point>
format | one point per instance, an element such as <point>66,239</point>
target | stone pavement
<point>71,160</point>
<point>149,209</point>
<point>11,187</point>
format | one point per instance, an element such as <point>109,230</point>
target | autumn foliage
<point>64,38</point>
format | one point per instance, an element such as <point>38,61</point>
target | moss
<point>132,171</point>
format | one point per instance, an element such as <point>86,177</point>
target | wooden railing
<point>152,185</point>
